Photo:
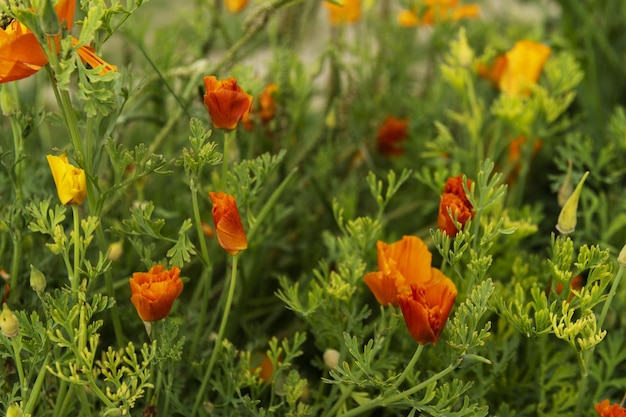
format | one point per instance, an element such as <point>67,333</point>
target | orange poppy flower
<point>154,292</point>
<point>400,264</point>
<point>391,133</point>
<point>350,12</point>
<point>235,6</point>
<point>21,55</point>
<point>520,67</point>
<point>605,409</point>
<point>226,102</point>
<point>427,306</point>
<point>267,104</point>
<point>408,18</point>
<point>228,226</point>
<point>515,155</point>
<point>454,201</point>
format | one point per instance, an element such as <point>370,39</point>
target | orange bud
<point>230,233</point>
<point>226,102</point>
<point>154,292</point>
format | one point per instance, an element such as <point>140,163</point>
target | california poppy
<point>226,102</point>
<point>400,264</point>
<point>267,103</point>
<point>228,226</point>
<point>605,409</point>
<point>427,306</point>
<point>391,133</point>
<point>350,12</point>
<point>154,292</point>
<point>20,52</point>
<point>518,68</point>
<point>515,153</point>
<point>454,205</point>
<point>70,181</point>
<point>235,6</point>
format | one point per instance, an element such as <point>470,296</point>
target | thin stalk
<point>410,366</point>
<point>76,238</point>
<point>382,401</point>
<point>18,364</point>
<point>220,336</point>
<point>33,397</point>
<point>612,292</point>
<point>229,138</point>
<point>62,400</point>
<point>16,257</point>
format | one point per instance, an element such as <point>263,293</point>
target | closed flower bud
<point>621,258</point>
<point>14,411</point>
<point>113,412</point>
<point>116,250</point>
<point>9,324</point>
<point>567,218</point>
<point>331,358</point>
<point>7,101</point>
<point>37,279</point>
<point>49,19</point>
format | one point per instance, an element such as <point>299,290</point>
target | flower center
<point>5,20</point>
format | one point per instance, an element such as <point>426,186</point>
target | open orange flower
<point>21,55</point>
<point>400,264</point>
<point>518,68</point>
<point>391,133</point>
<point>228,226</point>
<point>154,292</point>
<point>350,12</point>
<point>454,205</point>
<point>605,409</point>
<point>226,102</point>
<point>427,306</point>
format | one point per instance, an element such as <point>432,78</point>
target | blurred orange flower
<point>518,68</point>
<point>154,292</point>
<point>350,12</point>
<point>427,306</point>
<point>515,154</point>
<point>454,204</point>
<point>226,102</point>
<point>391,133</point>
<point>228,226</point>
<point>21,55</point>
<point>267,104</point>
<point>605,409</point>
<point>399,265</point>
<point>438,11</point>
<point>235,6</point>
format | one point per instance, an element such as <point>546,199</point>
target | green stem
<point>62,400</point>
<point>76,239</point>
<point>382,401</point>
<point>342,399</point>
<point>16,257</point>
<point>410,366</point>
<point>33,397</point>
<point>612,292</point>
<point>229,139</point>
<point>220,336</point>
<point>17,357</point>
<point>269,205</point>
<point>198,221</point>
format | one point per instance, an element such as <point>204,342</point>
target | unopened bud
<point>116,250</point>
<point>7,100</point>
<point>567,218</point>
<point>9,324</point>
<point>621,258</point>
<point>331,358</point>
<point>567,187</point>
<point>49,19</point>
<point>112,412</point>
<point>37,279</point>
<point>14,411</point>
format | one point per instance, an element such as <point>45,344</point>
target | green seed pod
<point>37,279</point>
<point>49,19</point>
<point>9,324</point>
<point>621,258</point>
